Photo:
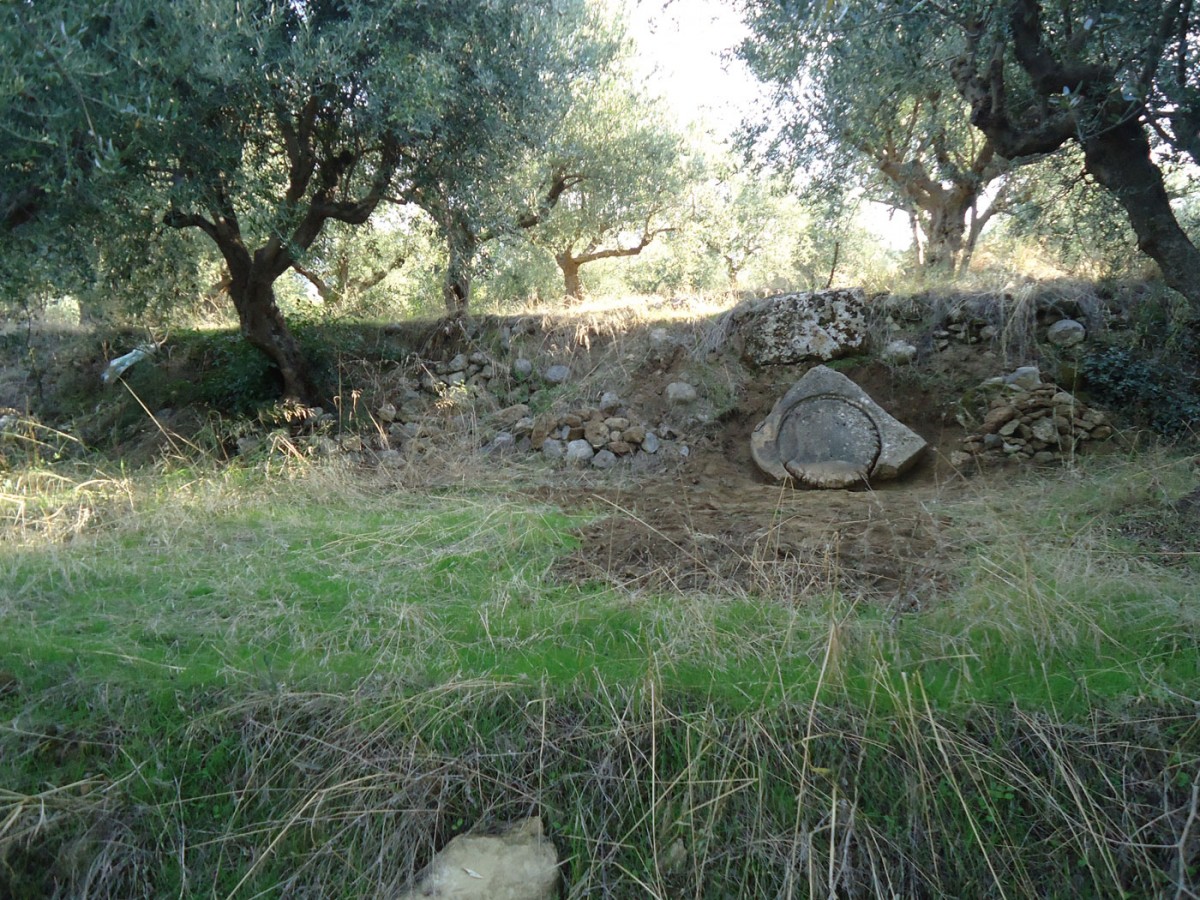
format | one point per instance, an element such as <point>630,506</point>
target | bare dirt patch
<point>717,525</point>
<point>1170,532</point>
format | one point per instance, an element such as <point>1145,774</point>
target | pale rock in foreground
<point>519,864</point>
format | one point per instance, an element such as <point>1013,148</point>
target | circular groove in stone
<point>819,431</point>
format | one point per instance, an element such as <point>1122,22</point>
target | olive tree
<point>259,122</point>
<point>860,98</point>
<point>1115,80</point>
<point>629,174</point>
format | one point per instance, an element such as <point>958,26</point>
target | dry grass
<point>382,660</point>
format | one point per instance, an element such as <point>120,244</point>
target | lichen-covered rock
<point>793,328</point>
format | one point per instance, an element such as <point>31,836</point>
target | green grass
<point>232,683</point>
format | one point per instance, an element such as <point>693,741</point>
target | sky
<point>683,46</point>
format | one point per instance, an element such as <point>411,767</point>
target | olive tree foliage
<point>1115,80</point>
<point>258,123</point>
<point>72,224</point>
<point>860,99</point>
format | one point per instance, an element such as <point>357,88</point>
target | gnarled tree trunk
<point>461,245</point>
<point>1119,159</point>
<point>1114,138</point>
<point>262,324</point>
<point>572,283</point>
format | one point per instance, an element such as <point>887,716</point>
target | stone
<point>457,364</point>
<point>596,433</point>
<point>522,369</point>
<point>959,459</point>
<point>827,474</point>
<point>997,417</point>
<point>391,459</point>
<point>792,328</point>
<point>609,402</point>
<point>510,415</point>
<point>520,864</point>
<point>386,412</point>
<point>635,434</point>
<point>1026,377</point>
<point>898,353</point>
<point>680,393</point>
<point>552,448</point>
<point>827,432</point>
<point>1045,430</point>
<point>605,459</point>
<point>248,445</point>
<point>455,378</point>
<point>650,442</point>
<point>323,446</point>
<point>1066,333</point>
<point>1043,456</point>
<point>579,452</point>
<point>504,442</point>
<point>616,423</point>
<point>620,448</point>
<point>557,374</point>
<point>523,428</point>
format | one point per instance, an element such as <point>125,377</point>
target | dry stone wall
<point>1040,423</point>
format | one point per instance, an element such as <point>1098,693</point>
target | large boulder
<point>795,328</point>
<point>826,432</point>
<point>519,864</point>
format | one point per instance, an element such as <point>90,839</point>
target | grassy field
<point>293,679</point>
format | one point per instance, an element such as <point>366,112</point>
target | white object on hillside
<point>117,367</point>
